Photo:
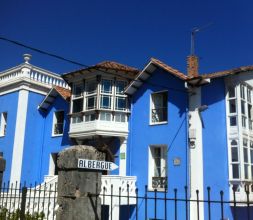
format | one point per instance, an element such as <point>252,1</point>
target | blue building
<point>163,128</point>
<point>31,132</point>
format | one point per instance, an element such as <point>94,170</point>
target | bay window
<point>101,99</point>
<point>240,132</point>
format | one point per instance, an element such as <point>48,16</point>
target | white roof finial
<point>27,57</point>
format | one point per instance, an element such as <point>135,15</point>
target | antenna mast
<point>193,32</point>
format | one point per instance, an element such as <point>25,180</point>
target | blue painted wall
<point>53,144</point>
<point>8,103</point>
<point>215,149</point>
<point>173,134</point>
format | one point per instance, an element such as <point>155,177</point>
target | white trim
<point>196,178</point>
<point>151,106</point>
<point>18,146</point>
<point>122,162</point>
<point>164,159</point>
<point>55,122</point>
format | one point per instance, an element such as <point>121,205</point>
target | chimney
<point>192,66</point>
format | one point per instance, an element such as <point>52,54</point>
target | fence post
<point>23,202</point>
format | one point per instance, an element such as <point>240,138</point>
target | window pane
<point>244,119</point>
<point>234,152</point>
<point>105,116</point>
<point>242,91</point>
<point>249,95</point>
<point>235,170</point>
<point>233,142</point>
<point>90,117</point>
<point>120,103</point>
<point>91,87</point>
<point>77,119</point>
<point>233,121</point>
<point>231,92</point>
<point>91,102</point>
<point>78,90</point>
<point>246,171</point>
<point>251,156</point>
<point>120,117</point>
<point>120,86</point>
<point>106,86</point>
<point>243,107</point>
<point>245,155</point>
<point>105,102</point>
<point>232,106</point>
<point>77,105</point>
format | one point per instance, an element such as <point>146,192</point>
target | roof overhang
<point>197,81</point>
<point>140,79</point>
<point>50,98</point>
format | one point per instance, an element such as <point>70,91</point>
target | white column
<point>115,211</point>
<point>196,154</point>
<point>123,156</point>
<point>18,147</point>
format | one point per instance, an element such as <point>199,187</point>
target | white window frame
<point>151,122</point>
<point>76,118</point>
<point>3,123</point>
<point>56,122</point>
<point>151,165</point>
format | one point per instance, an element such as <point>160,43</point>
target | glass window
<point>242,91</point>
<point>77,105</point>
<point>158,166</point>
<point>231,91</point>
<point>91,102</point>
<point>159,107</point>
<point>106,86</point>
<point>235,157</point>
<point>232,106</point>
<point>105,116</point>
<point>90,117</point>
<point>233,121</point>
<point>91,86</point>
<point>120,103</point>
<point>105,102</point>
<point>78,90</point>
<point>120,86</point>
<point>120,117</point>
<point>58,122</point>
<point>243,107</point>
<point>235,171</point>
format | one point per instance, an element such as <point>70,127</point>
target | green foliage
<point>5,215</point>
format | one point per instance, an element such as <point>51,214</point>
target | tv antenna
<point>193,32</point>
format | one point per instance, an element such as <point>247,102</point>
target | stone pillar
<point>75,185</point>
<point>2,167</point>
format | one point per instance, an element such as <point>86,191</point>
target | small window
<point>158,167</point>
<point>3,123</point>
<point>78,90</point>
<point>58,122</point>
<point>159,104</point>
<point>105,116</point>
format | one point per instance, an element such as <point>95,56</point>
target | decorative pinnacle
<point>27,57</point>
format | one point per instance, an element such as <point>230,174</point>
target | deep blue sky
<point>129,32</point>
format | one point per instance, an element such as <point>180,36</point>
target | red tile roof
<point>169,69</point>
<point>228,72</point>
<point>115,66</point>
<point>65,93</point>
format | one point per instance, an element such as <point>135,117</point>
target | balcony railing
<point>159,182</point>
